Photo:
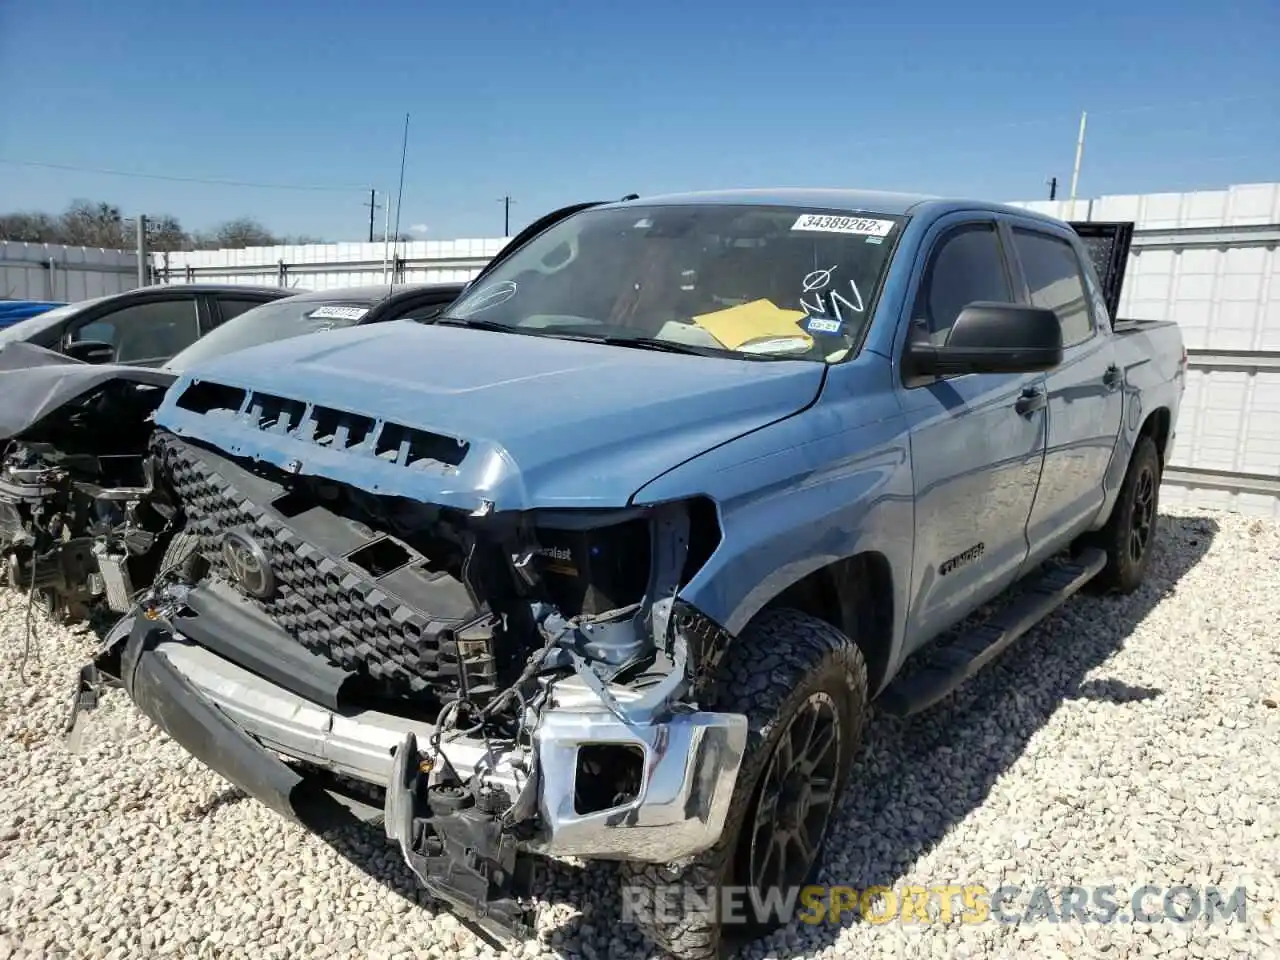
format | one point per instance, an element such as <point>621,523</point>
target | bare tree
<point>240,232</point>
<point>30,228</point>
<point>88,223</point>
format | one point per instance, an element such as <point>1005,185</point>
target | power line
<point>213,181</point>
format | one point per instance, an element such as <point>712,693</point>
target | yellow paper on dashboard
<point>756,320</point>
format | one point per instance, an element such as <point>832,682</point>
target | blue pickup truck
<point>611,559</point>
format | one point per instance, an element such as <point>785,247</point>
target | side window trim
<point>924,270</point>
<point>208,314</point>
<point>1086,284</point>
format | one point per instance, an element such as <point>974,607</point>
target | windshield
<point>278,320</point>
<point>735,280</point>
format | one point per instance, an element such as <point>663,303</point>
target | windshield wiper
<point>472,322</point>
<point>651,343</point>
<point>638,343</point>
<point>675,346</point>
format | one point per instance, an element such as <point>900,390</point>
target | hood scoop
<point>324,426</point>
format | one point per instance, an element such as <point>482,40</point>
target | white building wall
<point>49,271</point>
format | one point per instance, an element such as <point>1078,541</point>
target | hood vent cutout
<point>325,426</point>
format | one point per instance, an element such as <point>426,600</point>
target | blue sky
<point>554,102</point>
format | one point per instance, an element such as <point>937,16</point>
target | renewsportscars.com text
<point>949,903</point>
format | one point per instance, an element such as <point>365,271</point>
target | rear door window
<point>231,307</point>
<point>1056,281</point>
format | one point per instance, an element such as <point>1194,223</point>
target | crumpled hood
<point>546,422</point>
<point>34,382</point>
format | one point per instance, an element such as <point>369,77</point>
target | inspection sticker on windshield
<point>859,226</point>
<point>824,325</point>
<point>335,312</point>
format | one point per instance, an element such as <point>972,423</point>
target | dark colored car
<point>142,327</point>
<point>81,516</point>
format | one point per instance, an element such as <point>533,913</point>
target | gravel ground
<point>1127,741</point>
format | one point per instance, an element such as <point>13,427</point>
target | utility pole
<point>1053,188</point>
<point>142,250</point>
<point>506,215</point>
<point>1075,173</point>
<point>373,205</point>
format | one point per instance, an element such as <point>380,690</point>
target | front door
<point>1083,392</point>
<point>977,443</point>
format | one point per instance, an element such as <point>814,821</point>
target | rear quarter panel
<point>1151,361</point>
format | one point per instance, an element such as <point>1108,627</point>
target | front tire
<point>1130,534</point>
<point>182,557</point>
<point>802,685</point>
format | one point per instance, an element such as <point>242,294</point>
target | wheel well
<point>854,595</point>
<point>1156,426</point>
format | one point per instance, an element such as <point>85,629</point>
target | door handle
<point>1032,399</point>
<point>1112,378</point>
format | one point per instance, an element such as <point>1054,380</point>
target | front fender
<point>822,486</point>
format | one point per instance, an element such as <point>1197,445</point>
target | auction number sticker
<point>335,312</point>
<point>858,226</point>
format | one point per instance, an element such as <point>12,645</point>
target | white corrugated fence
<point>1209,261</point>
<point>50,271</point>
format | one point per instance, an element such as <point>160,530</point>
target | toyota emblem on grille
<point>248,564</point>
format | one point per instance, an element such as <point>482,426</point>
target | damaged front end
<point>81,521</point>
<point>511,684</point>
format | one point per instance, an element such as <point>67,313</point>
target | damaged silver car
<point>85,522</point>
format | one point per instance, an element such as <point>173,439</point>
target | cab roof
<point>853,201</point>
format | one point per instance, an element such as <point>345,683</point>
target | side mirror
<point>90,351</point>
<point>993,338</point>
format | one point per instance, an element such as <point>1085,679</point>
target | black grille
<point>332,607</point>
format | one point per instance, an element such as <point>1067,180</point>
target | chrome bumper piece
<point>691,760</point>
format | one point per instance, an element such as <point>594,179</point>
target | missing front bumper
<point>470,847</point>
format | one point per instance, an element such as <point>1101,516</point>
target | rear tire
<point>1130,534</point>
<point>802,685</point>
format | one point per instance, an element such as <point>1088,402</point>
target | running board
<point>955,663</point>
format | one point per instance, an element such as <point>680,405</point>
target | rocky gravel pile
<point>1127,741</point>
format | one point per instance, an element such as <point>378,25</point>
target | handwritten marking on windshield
<point>832,303</point>
<point>818,279</point>
<point>492,295</point>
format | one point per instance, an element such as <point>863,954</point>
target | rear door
<point>1084,391</point>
